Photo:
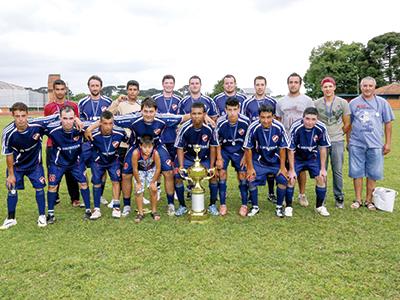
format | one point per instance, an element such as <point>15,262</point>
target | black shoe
<point>87,215</point>
<point>51,219</point>
<point>279,212</point>
<point>272,198</point>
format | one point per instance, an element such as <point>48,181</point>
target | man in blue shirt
<point>265,151</point>
<point>22,145</point>
<point>309,142</point>
<point>105,158</point>
<point>369,115</point>
<point>230,132</point>
<point>195,132</point>
<point>229,85</point>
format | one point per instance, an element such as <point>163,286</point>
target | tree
<point>383,53</point>
<point>218,88</point>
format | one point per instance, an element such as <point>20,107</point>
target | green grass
<point>352,254</point>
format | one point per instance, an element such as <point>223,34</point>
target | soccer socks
<point>213,186</point>
<point>271,182</point>
<point>320,192</point>
<point>180,192</point>
<point>12,199</point>
<point>127,201</point>
<point>253,194</point>
<point>280,195</point>
<point>116,204</point>
<point>289,196</point>
<point>170,199</point>
<point>222,191</point>
<point>86,197</point>
<point>51,201</point>
<point>97,191</point>
<point>243,188</point>
<point>41,202</point>
<point>103,185</point>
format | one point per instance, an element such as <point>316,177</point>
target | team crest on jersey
<point>157,131</point>
<point>115,144</point>
<point>275,138</point>
<point>103,108</point>
<point>42,180</point>
<point>76,138</point>
<point>241,131</point>
<point>36,136</point>
<point>315,138</point>
<point>52,177</point>
<point>174,106</point>
<point>126,166</point>
<point>204,137</point>
<point>169,162</point>
<point>118,172</point>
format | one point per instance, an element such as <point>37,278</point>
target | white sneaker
<point>171,210</point>
<point>159,193</point>
<point>145,201</point>
<point>8,223</point>
<point>96,214</point>
<point>116,213</point>
<point>126,211</point>
<point>288,211</point>
<point>103,200</point>
<point>254,210</point>
<point>175,196</point>
<point>322,211</point>
<point>303,201</point>
<point>42,221</point>
<point>111,204</point>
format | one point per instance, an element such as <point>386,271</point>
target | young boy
<point>146,165</point>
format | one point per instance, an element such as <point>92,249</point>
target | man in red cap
<point>334,112</point>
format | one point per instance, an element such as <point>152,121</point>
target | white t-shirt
<point>290,109</point>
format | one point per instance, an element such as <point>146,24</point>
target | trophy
<point>195,175</point>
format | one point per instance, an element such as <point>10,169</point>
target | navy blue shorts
<point>313,166</point>
<point>56,173</point>
<point>234,158</point>
<point>36,177</point>
<point>98,171</point>
<point>86,155</point>
<point>262,172</point>
<point>171,150</point>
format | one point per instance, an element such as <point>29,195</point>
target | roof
<point>10,86</point>
<point>391,89</point>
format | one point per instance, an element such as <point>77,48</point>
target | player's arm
<point>11,181</point>
<point>181,157</point>
<point>291,173</point>
<point>388,138</point>
<point>251,173</point>
<point>89,130</point>
<point>219,163</point>
<point>323,153</point>
<point>157,173</point>
<point>115,104</point>
<point>282,158</point>
<point>135,158</point>
<point>346,123</point>
<point>213,155</point>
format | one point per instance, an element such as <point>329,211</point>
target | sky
<point>145,39</point>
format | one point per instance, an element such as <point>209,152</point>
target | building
<point>11,93</point>
<point>391,93</point>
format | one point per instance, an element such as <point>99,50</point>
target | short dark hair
<point>58,82</point>
<point>198,105</point>
<point>149,102</point>
<point>294,74</point>
<point>107,115</point>
<point>232,101</point>
<point>168,76</point>
<point>133,83</point>
<point>260,78</point>
<point>146,140</point>
<point>229,76</point>
<point>194,77</point>
<point>265,108</point>
<point>19,106</point>
<point>67,109</point>
<point>310,111</point>
<point>95,77</point>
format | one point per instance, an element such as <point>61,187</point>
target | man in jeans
<point>334,112</point>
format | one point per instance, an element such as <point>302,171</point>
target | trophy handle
<point>181,172</point>
<point>211,173</point>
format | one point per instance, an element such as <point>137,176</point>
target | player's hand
<point>251,174</point>
<point>243,162</point>
<point>209,121</point>
<point>219,163</point>
<point>79,124</point>
<point>122,98</point>
<point>88,134</point>
<point>284,172</point>
<point>153,185</point>
<point>292,175</point>
<point>138,188</point>
<point>386,149</point>
<point>323,173</point>
<point>11,181</point>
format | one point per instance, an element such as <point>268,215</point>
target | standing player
<point>309,141</point>
<point>265,150</point>
<point>22,145</point>
<point>195,132</point>
<point>60,90</point>
<point>90,109</point>
<point>230,133</point>
<point>289,109</point>
<point>229,85</point>
<point>105,143</point>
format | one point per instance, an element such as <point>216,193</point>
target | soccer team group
<point>267,142</point>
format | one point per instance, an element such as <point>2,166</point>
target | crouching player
<point>22,145</point>
<point>265,151</point>
<point>146,166</point>
<point>309,141</point>
<point>231,132</point>
<point>105,143</point>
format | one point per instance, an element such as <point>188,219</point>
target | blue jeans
<point>336,155</point>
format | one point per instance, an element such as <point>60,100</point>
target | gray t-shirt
<point>332,116</point>
<point>290,109</point>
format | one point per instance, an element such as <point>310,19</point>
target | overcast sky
<point>145,39</point>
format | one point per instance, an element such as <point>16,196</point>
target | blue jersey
<point>26,146</point>
<point>189,136</point>
<point>67,145</point>
<point>231,136</point>
<point>220,101</point>
<point>168,106</point>
<point>305,142</point>
<point>250,106</point>
<point>105,147</point>
<point>266,143</point>
<point>90,110</point>
<point>185,105</point>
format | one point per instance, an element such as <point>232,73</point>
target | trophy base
<point>198,217</point>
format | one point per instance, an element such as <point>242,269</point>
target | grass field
<point>352,254</point>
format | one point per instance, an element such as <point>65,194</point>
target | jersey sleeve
<point>5,147</point>
<point>387,112</point>
<point>170,120</point>
<point>180,139</point>
<point>249,139</point>
<point>45,121</point>
<point>214,139</point>
<point>213,111</point>
<point>323,139</point>
<point>125,121</point>
<point>284,139</point>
